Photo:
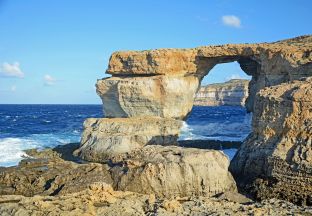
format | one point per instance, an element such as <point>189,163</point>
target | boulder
<point>171,171</point>
<point>277,157</point>
<point>106,137</point>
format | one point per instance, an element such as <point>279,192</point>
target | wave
<point>12,150</point>
<point>217,131</point>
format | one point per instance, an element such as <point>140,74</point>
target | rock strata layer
<point>277,157</point>
<point>107,137</point>
<point>231,93</point>
<point>161,96</point>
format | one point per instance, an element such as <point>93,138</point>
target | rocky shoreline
<point>55,182</point>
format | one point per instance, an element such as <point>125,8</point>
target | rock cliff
<point>232,93</point>
<point>277,155</point>
<point>161,84</point>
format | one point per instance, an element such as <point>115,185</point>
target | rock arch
<point>268,64</point>
<point>153,90</point>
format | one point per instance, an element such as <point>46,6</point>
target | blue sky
<point>54,51</point>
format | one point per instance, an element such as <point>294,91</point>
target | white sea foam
<point>227,132</point>
<point>11,150</point>
<point>187,133</point>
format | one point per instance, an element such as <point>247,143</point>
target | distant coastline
<point>231,93</point>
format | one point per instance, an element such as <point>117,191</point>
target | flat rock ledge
<point>54,182</point>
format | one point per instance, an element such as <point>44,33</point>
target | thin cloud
<point>231,20</point>
<point>49,80</point>
<point>11,70</point>
<point>233,76</point>
<point>13,88</point>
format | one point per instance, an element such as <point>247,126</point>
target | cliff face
<point>277,156</point>
<point>232,93</point>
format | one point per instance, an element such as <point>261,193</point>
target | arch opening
<point>219,119</point>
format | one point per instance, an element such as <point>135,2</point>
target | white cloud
<point>11,70</point>
<point>49,80</point>
<point>13,88</point>
<point>231,20</point>
<point>233,76</point>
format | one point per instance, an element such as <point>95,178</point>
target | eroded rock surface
<point>104,138</point>
<point>277,157</point>
<point>86,190</point>
<point>47,173</point>
<point>166,171</point>
<point>101,199</point>
<point>173,171</point>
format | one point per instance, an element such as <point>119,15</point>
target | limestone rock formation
<point>231,93</point>
<point>104,138</point>
<point>172,171</point>
<point>279,150</point>
<point>162,84</point>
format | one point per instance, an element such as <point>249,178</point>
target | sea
<point>45,126</point>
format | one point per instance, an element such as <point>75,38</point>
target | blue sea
<point>40,126</point>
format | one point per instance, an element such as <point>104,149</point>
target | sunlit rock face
<point>231,93</point>
<point>162,84</point>
<point>279,150</point>
<point>161,96</point>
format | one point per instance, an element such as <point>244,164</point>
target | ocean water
<point>40,126</point>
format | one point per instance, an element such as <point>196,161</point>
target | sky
<point>53,51</point>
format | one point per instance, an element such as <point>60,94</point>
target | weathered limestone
<point>279,150</point>
<point>170,171</point>
<point>165,171</point>
<point>231,93</point>
<point>163,96</point>
<point>104,138</point>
